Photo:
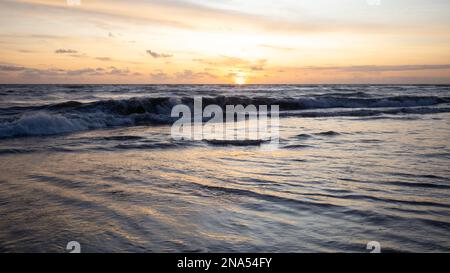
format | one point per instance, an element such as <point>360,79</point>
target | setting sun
<point>240,79</point>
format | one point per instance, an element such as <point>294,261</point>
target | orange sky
<point>225,41</point>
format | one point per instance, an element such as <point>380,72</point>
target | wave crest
<point>72,116</point>
<point>41,123</point>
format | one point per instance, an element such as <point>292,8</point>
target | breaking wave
<point>73,116</point>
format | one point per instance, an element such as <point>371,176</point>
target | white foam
<point>41,123</point>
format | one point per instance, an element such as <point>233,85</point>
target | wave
<point>367,112</point>
<point>73,116</point>
<point>247,142</point>
<point>303,136</point>
<point>42,123</point>
<point>328,133</point>
<point>163,105</point>
<point>297,146</point>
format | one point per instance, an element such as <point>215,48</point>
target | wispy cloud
<point>11,68</point>
<point>234,62</point>
<point>117,71</point>
<point>65,51</point>
<point>104,59</point>
<point>159,76</point>
<point>183,76</point>
<point>259,65</point>
<point>44,36</point>
<point>158,55</point>
<point>76,54</point>
<point>274,47</point>
<point>101,12</point>
<point>380,68</point>
<point>56,72</point>
<point>189,15</point>
<point>26,51</point>
<point>190,75</point>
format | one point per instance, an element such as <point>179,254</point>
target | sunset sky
<point>225,41</point>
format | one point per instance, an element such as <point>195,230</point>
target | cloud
<point>281,48</point>
<point>11,68</point>
<point>65,51</point>
<point>75,54</point>
<point>234,62</point>
<point>57,72</point>
<point>259,66</point>
<point>83,55</point>
<point>380,68</point>
<point>183,76</point>
<point>119,72</point>
<point>44,36</point>
<point>26,51</point>
<point>159,76</point>
<point>196,15</point>
<point>190,75</point>
<point>105,59</point>
<point>103,14</point>
<point>80,71</point>
<point>158,55</point>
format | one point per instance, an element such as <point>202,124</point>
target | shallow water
<point>354,164</point>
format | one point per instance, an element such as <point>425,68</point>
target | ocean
<point>97,164</point>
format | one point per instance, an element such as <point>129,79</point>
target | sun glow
<point>232,42</point>
<point>240,79</point>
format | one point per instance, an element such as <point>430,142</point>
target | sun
<point>240,79</point>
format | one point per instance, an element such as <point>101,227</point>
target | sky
<point>225,41</point>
